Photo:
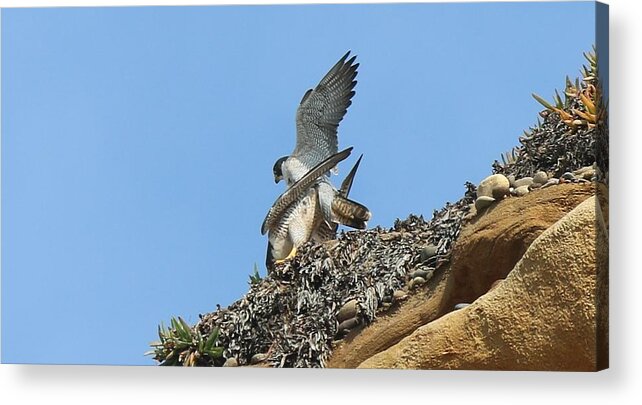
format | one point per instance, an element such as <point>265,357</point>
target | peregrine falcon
<point>295,217</point>
<point>317,119</point>
<point>311,206</point>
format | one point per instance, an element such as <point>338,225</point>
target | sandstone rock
<point>495,186</point>
<point>487,249</point>
<point>550,313</point>
<point>495,284</point>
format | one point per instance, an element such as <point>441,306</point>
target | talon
<point>290,257</point>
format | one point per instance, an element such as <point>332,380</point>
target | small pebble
<point>535,185</point>
<point>483,202</point>
<point>582,170</point>
<point>521,191</point>
<point>231,362</point>
<point>495,186</point>
<point>348,310</point>
<point>347,325</point>
<point>551,182</point>
<point>416,282</point>
<point>589,174</point>
<point>399,295</point>
<point>525,181</point>
<point>419,273</point>
<point>428,252</point>
<point>258,358</point>
<point>540,177</point>
<point>511,180</point>
<point>461,306</point>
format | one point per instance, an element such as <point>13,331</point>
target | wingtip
<point>263,225</point>
<point>349,62</point>
<point>346,152</point>
<point>269,258</point>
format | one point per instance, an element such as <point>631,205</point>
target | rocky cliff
<point>514,275</point>
<point>534,271</point>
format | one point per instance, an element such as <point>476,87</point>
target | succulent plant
<point>255,277</point>
<point>179,344</point>
<point>581,98</point>
<point>571,131</point>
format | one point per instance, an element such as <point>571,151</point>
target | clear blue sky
<point>138,143</point>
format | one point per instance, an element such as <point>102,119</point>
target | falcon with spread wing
<point>306,171</point>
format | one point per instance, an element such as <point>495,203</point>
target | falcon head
<point>278,169</point>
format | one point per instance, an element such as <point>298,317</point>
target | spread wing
<point>294,192</point>
<point>321,110</point>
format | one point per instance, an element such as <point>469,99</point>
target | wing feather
<point>322,109</point>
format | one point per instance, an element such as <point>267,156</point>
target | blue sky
<point>138,143</point>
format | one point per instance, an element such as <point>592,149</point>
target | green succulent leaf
<point>543,102</point>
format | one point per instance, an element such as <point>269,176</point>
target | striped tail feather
<point>350,213</point>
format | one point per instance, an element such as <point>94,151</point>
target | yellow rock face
<point>550,313</point>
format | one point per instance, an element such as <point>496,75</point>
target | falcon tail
<point>350,213</point>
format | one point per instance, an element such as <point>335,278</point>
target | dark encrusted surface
<point>552,147</point>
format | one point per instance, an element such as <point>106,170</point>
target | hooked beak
<point>277,178</point>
